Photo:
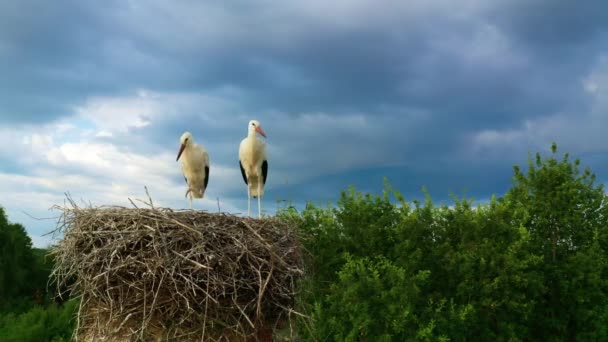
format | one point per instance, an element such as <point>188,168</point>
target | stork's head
<point>185,140</point>
<point>255,127</point>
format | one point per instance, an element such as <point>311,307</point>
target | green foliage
<point>564,212</point>
<point>16,259</point>
<point>24,270</point>
<point>54,323</point>
<point>558,204</point>
<point>528,266</point>
<point>24,273</point>
<point>365,291</point>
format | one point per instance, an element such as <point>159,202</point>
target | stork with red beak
<point>254,164</point>
<point>195,166</point>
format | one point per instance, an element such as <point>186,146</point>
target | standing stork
<point>254,164</point>
<point>195,166</point>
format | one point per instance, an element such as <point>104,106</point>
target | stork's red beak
<point>260,130</point>
<point>181,149</point>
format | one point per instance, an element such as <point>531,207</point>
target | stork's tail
<point>253,188</point>
<point>198,194</point>
<point>254,193</point>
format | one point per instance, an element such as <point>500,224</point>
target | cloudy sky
<point>436,93</point>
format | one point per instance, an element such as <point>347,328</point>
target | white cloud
<point>104,134</point>
<point>120,114</point>
<point>95,166</point>
<point>62,157</point>
<point>35,194</point>
<point>308,142</point>
<point>107,174</point>
<point>590,86</point>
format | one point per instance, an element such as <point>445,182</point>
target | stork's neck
<point>252,134</point>
<point>189,146</point>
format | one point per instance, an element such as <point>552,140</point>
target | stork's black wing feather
<point>243,172</point>
<point>265,170</point>
<point>186,179</point>
<point>206,176</point>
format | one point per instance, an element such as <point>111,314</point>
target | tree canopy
<point>530,265</point>
<point>16,260</point>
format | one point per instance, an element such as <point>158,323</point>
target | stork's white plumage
<point>254,164</point>
<point>195,166</point>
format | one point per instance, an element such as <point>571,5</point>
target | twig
<point>192,261</point>
<point>149,197</point>
<point>39,218</point>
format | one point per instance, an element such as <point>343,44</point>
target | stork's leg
<point>248,201</point>
<point>189,192</point>
<point>259,200</point>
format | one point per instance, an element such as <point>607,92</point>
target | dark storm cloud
<point>391,91</point>
<point>41,46</point>
<point>546,24</point>
<point>58,55</point>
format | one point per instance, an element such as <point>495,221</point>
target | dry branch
<point>144,274</point>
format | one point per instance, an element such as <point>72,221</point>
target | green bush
<point>16,260</point>
<point>25,313</point>
<point>24,271</point>
<point>528,266</point>
<point>54,323</point>
<point>367,290</point>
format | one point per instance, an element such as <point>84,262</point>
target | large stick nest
<point>154,273</point>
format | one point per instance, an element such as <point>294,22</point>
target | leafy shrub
<point>371,299</point>
<point>528,266</point>
<point>54,323</point>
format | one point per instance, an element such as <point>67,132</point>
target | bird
<point>195,166</point>
<point>253,161</point>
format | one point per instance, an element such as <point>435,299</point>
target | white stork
<point>195,166</point>
<point>254,164</point>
